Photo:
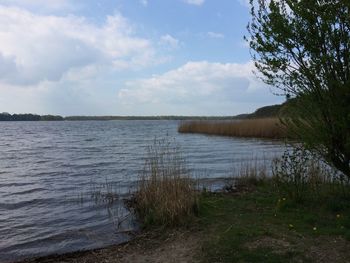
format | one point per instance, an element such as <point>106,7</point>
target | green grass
<point>260,226</point>
<point>261,220</point>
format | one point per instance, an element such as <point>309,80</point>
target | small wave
<point>41,161</point>
<point>90,139</point>
<point>14,184</point>
<point>36,202</point>
<point>34,190</point>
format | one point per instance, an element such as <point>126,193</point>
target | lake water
<point>50,170</point>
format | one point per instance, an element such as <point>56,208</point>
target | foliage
<point>51,118</point>
<point>301,176</point>
<point>28,117</point>
<point>291,173</point>
<point>302,47</point>
<point>166,194</point>
<point>266,111</point>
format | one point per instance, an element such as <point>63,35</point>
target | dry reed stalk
<point>166,194</point>
<point>259,128</point>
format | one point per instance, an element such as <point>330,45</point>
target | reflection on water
<point>50,173</point>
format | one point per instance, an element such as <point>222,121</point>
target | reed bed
<point>166,194</point>
<point>259,128</point>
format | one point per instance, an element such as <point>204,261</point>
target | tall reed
<point>259,128</point>
<point>166,194</point>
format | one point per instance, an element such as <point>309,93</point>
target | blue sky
<point>127,57</point>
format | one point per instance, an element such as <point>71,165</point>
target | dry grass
<point>251,174</point>
<point>248,175</point>
<point>166,194</point>
<point>259,128</point>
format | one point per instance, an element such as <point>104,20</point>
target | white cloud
<point>144,2</point>
<point>197,87</point>
<point>89,90</point>
<point>35,48</point>
<point>44,5</point>
<point>245,3</point>
<point>169,41</point>
<point>215,35</point>
<point>194,2</point>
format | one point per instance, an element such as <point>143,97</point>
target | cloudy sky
<point>127,57</point>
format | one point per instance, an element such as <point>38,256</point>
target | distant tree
<point>25,117</point>
<point>5,116</point>
<point>302,47</point>
<point>51,118</point>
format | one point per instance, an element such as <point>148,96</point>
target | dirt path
<point>176,246</point>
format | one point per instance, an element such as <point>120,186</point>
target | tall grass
<point>249,174</point>
<point>298,176</point>
<point>259,128</point>
<point>302,176</point>
<point>166,195</point>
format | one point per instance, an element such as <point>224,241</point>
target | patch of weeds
<point>310,219</point>
<point>347,235</point>
<point>166,194</point>
<point>337,204</point>
<point>305,178</point>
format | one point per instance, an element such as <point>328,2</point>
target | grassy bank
<point>251,224</point>
<point>259,128</point>
<point>301,213</point>
<point>260,226</point>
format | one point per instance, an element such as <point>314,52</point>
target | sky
<point>127,57</point>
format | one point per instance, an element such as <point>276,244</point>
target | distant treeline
<point>264,112</point>
<point>108,118</point>
<point>36,117</point>
<point>29,117</point>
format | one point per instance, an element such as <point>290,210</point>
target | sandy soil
<point>178,246</point>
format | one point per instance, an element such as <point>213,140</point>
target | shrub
<point>301,175</point>
<point>166,194</point>
<point>291,173</point>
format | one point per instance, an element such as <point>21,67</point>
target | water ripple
<point>49,170</point>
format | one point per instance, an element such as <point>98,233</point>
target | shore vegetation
<point>166,194</point>
<point>301,48</point>
<point>270,128</point>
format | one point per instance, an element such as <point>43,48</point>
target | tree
<point>302,47</point>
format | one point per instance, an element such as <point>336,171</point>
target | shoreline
<point>157,245</point>
<point>251,223</point>
<point>216,185</point>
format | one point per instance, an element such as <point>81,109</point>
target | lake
<point>51,175</point>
